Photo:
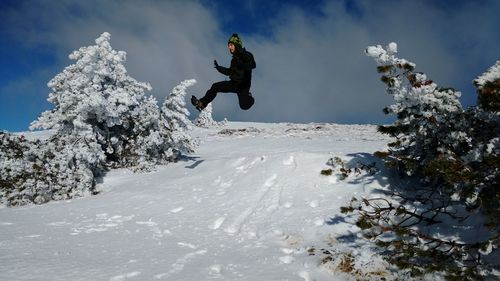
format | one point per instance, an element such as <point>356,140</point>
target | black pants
<point>241,89</point>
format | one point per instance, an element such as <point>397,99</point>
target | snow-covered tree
<point>101,119</point>
<point>175,122</point>
<point>435,137</point>
<point>484,155</point>
<point>455,153</point>
<point>97,101</point>
<point>40,171</point>
<point>205,119</point>
<point>488,85</point>
<point>426,113</point>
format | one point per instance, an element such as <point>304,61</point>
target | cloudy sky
<point>310,61</point>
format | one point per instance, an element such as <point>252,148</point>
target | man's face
<point>231,47</point>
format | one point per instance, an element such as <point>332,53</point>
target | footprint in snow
<point>305,276</point>
<point>215,269</point>
<point>176,210</point>
<point>222,183</point>
<point>217,223</point>
<point>287,259</point>
<point>319,222</point>
<point>271,180</point>
<point>218,180</point>
<point>228,183</point>
<point>147,223</point>
<point>292,240</point>
<point>125,276</point>
<point>294,251</point>
<point>186,245</point>
<point>239,161</point>
<point>314,204</point>
<point>101,223</point>
<point>180,264</point>
<point>245,168</point>
<point>31,236</point>
<point>289,161</point>
<point>58,223</point>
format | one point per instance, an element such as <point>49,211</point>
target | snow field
<point>251,206</point>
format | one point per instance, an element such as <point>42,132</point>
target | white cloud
<point>315,69</point>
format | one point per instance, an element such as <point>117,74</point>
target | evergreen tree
<point>205,119</point>
<point>488,85</point>
<point>175,123</point>
<point>484,156</point>
<point>425,113</point>
<point>454,156</point>
<point>101,119</point>
<point>97,101</point>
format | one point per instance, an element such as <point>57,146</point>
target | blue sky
<point>310,61</point>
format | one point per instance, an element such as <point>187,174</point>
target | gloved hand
<point>216,64</point>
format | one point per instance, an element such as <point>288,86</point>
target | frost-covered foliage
<point>101,119</point>
<point>175,123</point>
<point>96,100</point>
<point>488,109</point>
<point>435,138</point>
<point>455,153</point>
<point>40,171</point>
<point>486,133</point>
<point>484,155</point>
<point>426,113</point>
<point>205,119</point>
<point>488,89</point>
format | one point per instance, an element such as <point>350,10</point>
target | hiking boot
<point>197,103</point>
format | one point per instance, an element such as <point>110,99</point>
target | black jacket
<point>241,67</point>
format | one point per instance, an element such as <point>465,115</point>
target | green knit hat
<point>236,40</point>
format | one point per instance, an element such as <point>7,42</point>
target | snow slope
<point>249,205</point>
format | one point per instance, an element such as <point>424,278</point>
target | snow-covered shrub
<point>95,99</point>
<point>205,119</point>
<point>40,171</point>
<point>175,122</point>
<point>426,113</point>
<point>488,85</point>
<point>454,155</point>
<point>484,155</point>
<point>12,165</point>
<point>454,149</point>
<point>101,119</point>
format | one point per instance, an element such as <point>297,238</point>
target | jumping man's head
<point>234,43</point>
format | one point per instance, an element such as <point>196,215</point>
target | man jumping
<point>240,75</point>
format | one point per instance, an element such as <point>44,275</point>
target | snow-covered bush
<point>175,123</point>
<point>484,155</point>
<point>101,119</point>
<point>455,149</point>
<point>96,100</point>
<point>205,119</point>
<point>426,113</point>
<point>489,89</point>
<point>454,155</point>
<point>40,171</point>
<point>12,165</point>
